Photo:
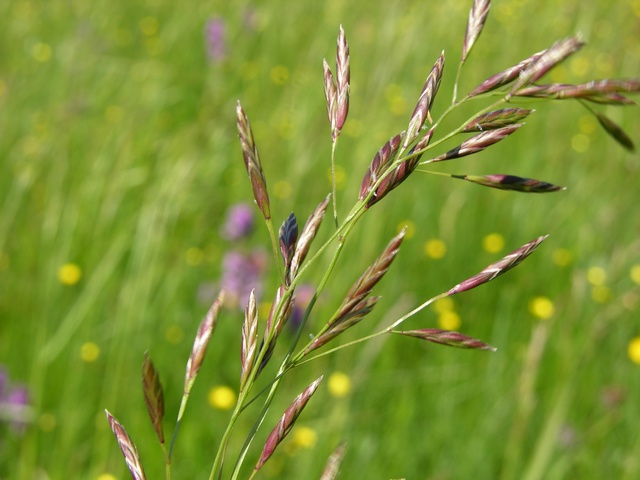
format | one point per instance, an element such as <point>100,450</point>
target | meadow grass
<point>120,157</point>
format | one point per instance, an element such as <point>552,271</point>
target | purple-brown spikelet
<point>356,305</point>
<point>613,129</point>
<point>477,18</point>
<point>306,237</point>
<point>478,142</point>
<point>511,182</point>
<point>496,119</point>
<point>286,422</point>
<point>334,461</point>
<point>343,79</point>
<point>128,448</point>
<point>249,340</point>
<point>277,319</point>
<point>505,77</point>
<point>153,395</point>
<point>597,91</point>
<point>551,57</point>
<point>201,342</point>
<point>446,337</point>
<point>381,161</point>
<point>288,237</point>
<point>401,172</point>
<point>421,111</point>
<point>499,267</point>
<point>347,320</point>
<point>331,95</point>
<point>252,163</point>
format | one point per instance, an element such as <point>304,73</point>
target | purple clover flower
<point>239,223</point>
<point>14,403</point>
<point>241,274</point>
<point>214,38</point>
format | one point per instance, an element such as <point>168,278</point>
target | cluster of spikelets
<point>391,165</point>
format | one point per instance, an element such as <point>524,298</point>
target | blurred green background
<point>119,158</point>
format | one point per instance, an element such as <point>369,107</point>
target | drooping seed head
<point>616,132</point>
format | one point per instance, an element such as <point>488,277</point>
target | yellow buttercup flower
<point>435,248</point>
<point>89,352</point>
<point>222,397</point>
<point>542,308</point>
<point>493,243</point>
<point>69,274</point>
<point>339,384</point>
<point>633,350</point>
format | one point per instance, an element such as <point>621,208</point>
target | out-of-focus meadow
<point>119,160</point>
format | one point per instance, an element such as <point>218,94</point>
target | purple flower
<point>241,274</point>
<point>214,37</point>
<point>304,294</point>
<point>14,403</point>
<point>239,223</point>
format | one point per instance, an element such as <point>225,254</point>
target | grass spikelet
<point>371,276</point>
<point>478,143</point>
<point>330,94</point>
<point>286,422</point>
<point>496,119</point>
<point>249,339</point>
<point>506,76</point>
<point>128,448</point>
<point>498,268</point>
<point>446,337</point>
<point>201,342</point>
<point>613,129</point>
<point>380,163</point>
<point>401,172</point>
<point>153,395</point>
<point>288,237</point>
<point>601,91</point>
<point>551,57</point>
<point>421,111</point>
<point>511,182</point>
<point>356,305</point>
<point>347,320</point>
<point>343,79</point>
<point>278,316</point>
<point>306,237</point>
<point>334,461</point>
<point>252,163</point>
<point>477,18</point>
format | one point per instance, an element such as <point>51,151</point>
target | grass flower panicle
<point>294,258</point>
